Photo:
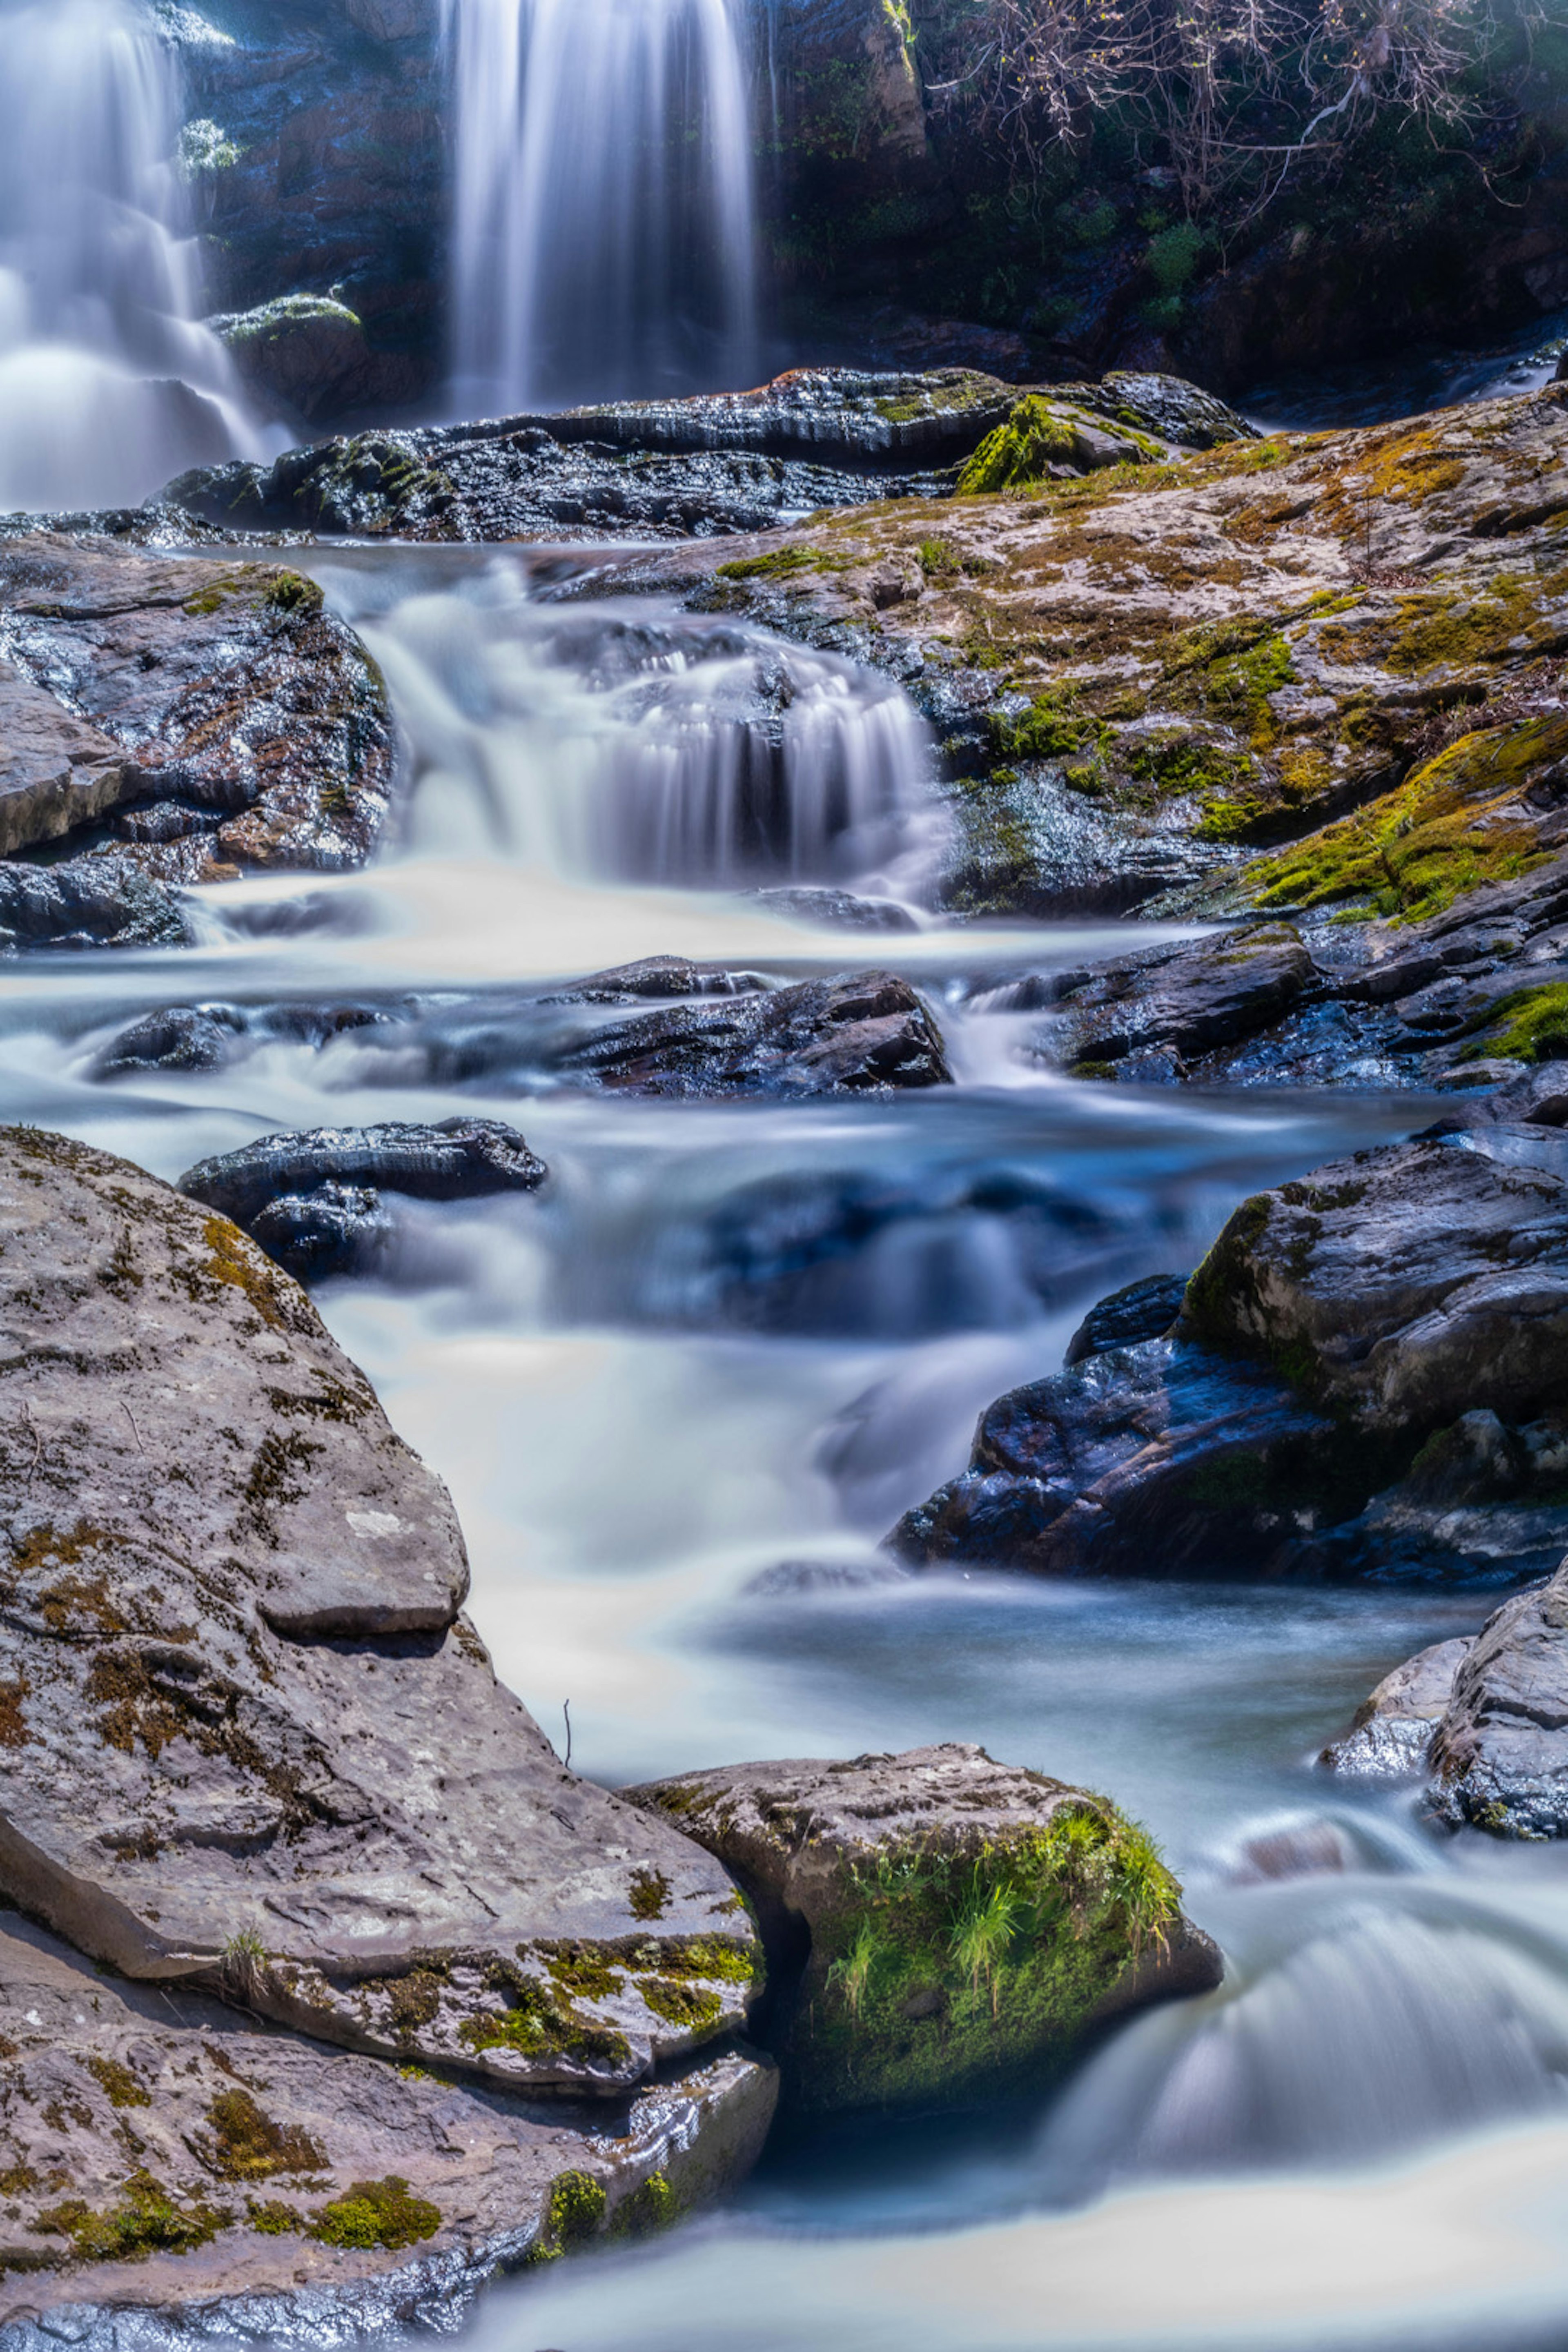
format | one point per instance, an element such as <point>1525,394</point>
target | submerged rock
<point>823,1036</point>
<point>313,1201</point>
<point>940,1927</point>
<point>165,2151</point>
<point>250,1740</point>
<point>199,717</point>
<point>1367,1379</point>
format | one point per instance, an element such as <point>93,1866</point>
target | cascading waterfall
<point>108,386</point>
<point>604,213</point>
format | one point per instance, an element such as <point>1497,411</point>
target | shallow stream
<point>681,1394</point>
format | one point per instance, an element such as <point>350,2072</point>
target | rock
<point>841,909</point>
<point>215,713</point>
<point>941,1927</point>
<point>1499,1757</point>
<point>1187,1003</point>
<point>313,1202</point>
<point>250,1739</point>
<point>459,1159</point>
<point>822,1036</point>
<point>658,976</point>
<point>164,2151</point>
<point>186,1037</point>
<point>1143,1310</point>
<point>87,902</point>
<point>301,352</point>
<point>1392,1729</point>
<point>1366,1380</point>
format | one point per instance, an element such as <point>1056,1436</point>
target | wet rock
<point>823,1036</point>
<point>250,1740</point>
<point>313,1201</point>
<point>1186,1003</point>
<point>841,909</point>
<point>1144,1310</point>
<point>1392,1729</point>
<point>1367,1380</point>
<point>164,2152</point>
<point>658,976</point>
<point>186,1037</point>
<point>87,902</point>
<point>941,1927</point>
<point>212,716</point>
<point>1499,1757</point>
<point>301,352</point>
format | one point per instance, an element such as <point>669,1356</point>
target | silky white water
<point>603,240</point>
<point>108,385</point>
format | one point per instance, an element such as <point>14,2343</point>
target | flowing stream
<point>680,1394</point>
<point>109,386</point>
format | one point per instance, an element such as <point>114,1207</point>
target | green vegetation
<point>650,1894</point>
<point>540,2023</point>
<point>375,2213</point>
<point>245,2143</point>
<point>1054,727</point>
<point>119,2085</point>
<point>1021,453</point>
<point>147,2219</point>
<point>1530,1025</point>
<point>948,1973</point>
<point>575,2211</point>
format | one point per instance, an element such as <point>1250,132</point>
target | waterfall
<point>604,213</point>
<point>108,386</point>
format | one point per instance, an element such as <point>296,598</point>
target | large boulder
<point>248,1736</point>
<point>162,2151</point>
<point>1369,1377</point>
<point>866,1031</point>
<point>212,716</point>
<point>89,902</point>
<point>941,1927</point>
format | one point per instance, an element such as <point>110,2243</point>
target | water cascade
<point>108,386</point>
<point>603,215</point>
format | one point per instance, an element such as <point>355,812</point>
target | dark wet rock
<point>1144,1310</point>
<point>841,909</point>
<point>212,716</point>
<point>1392,1733</point>
<point>823,1036</point>
<point>87,902</point>
<point>459,1159</point>
<point>334,1229</point>
<point>250,1740</point>
<point>1367,1380</point>
<point>658,976</point>
<point>314,1204</point>
<point>793,1580</point>
<point>866,1877</point>
<point>1499,1758</point>
<point>304,352</point>
<point>186,1037</point>
<point>1185,1003</point>
<point>165,2152</point>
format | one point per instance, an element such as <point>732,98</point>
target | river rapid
<point>680,1395</point>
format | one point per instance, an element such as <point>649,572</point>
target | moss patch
<point>118,2083</point>
<point>1532,1025</point>
<point>375,2213</point>
<point>148,2219</point>
<point>949,1974</point>
<point>245,2143</point>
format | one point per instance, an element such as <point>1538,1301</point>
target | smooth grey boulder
<point>1498,1758</point>
<point>868,1030</point>
<point>245,1735</point>
<point>940,1927</point>
<point>1392,1734</point>
<point>162,2151</point>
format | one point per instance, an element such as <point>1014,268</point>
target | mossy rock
<point>941,1929</point>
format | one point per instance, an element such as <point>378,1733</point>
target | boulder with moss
<point>182,718</point>
<point>941,1927</point>
<point>161,2151</point>
<point>1367,1379</point>
<point>250,1739</point>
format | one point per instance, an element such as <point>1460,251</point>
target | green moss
<point>294,594</point>
<point>650,1894</point>
<point>247,2144</point>
<point>948,1973</point>
<point>581,1969</point>
<point>538,2023</point>
<point>121,2086</point>
<point>716,1958</point>
<point>147,2219</point>
<point>778,563</point>
<point>375,2213</point>
<point>1173,254</point>
<point>575,2212</point>
<point>1021,453</point>
<point>1530,1025</point>
<point>1053,725</point>
<point>652,2207</point>
<point>680,2004</point>
<point>273,2217</point>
